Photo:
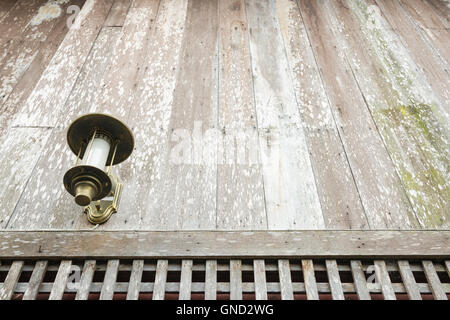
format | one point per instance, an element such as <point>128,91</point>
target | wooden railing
<point>225,265</point>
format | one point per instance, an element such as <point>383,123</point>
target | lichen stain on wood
<point>51,10</point>
<point>411,119</point>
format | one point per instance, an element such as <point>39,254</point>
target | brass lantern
<point>99,141</point>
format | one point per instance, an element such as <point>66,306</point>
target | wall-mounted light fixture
<point>99,141</point>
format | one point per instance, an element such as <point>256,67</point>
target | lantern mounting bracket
<point>100,211</point>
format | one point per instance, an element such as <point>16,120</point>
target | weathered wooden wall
<point>343,106</point>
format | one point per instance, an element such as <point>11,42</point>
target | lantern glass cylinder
<point>98,152</point>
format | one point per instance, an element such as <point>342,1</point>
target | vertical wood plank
<point>284,272</point>
<point>86,279</point>
<point>441,8</point>
<point>28,81</point>
<point>188,199</point>
<point>434,28</point>
<point>150,120</point>
<point>118,13</point>
<point>118,86</point>
<point>240,189</point>
<point>35,280</point>
<point>5,7</point>
<point>310,280</point>
<point>90,80</point>
<point>59,285</point>
<point>20,149</point>
<point>359,280</point>
<point>291,196</point>
<point>235,280</point>
<point>160,280</point>
<point>433,281</point>
<point>408,280</point>
<point>384,280</point>
<point>186,280</point>
<point>45,103</point>
<point>334,280</point>
<point>13,23</point>
<point>424,55</point>
<point>341,210</point>
<point>25,49</point>
<point>134,285</point>
<point>259,271</point>
<point>211,280</point>
<point>408,115</point>
<point>7,289</point>
<point>107,292</point>
<point>382,194</point>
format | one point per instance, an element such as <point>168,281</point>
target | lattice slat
<point>135,280</point>
<point>360,280</point>
<point>224,279</point>
<point>35,280</point>
<point>409,281</point>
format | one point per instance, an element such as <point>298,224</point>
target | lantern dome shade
<point>82,129</point>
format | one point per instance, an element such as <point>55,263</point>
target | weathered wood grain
<point>117,88</point>
<point>401,105</point>
<point>160,280</point>
<point>23,50</point>
<point>359,280</point>
<point>290,190</point>
<point>7,289</point>
<point>134,284</point>
<point>320,65</point>
<point>240,190</point>
<point>383,279</point>
<point>5,6</point>
<point>335,280</point>
<point>20,149</point>
<point>284,274</point>
<point>260,279</point>
<point>13,23</point>
<point>86,280</point>
<point>35,280</point>
<point>109,281</point>
<point>59,285</point>
<point>310,280</point>
<point>235,280</point>
<point>185,280</point>
<point>88,85</point>
<point>339,198</point>
<point>425,56</point>
<point>211,280</point>
<point>47,100</point>
<point>383,196</point>
<point>127,244</point>
<point>441,8</point>
<point>28,81</point>
<point>118,13</point>
<point>187,198</point>
<point>433,27</point>
<point>149,119</point>
<point>433,281</point>
<point>408,280</point>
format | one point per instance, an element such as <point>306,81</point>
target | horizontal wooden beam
<point>218,244</point>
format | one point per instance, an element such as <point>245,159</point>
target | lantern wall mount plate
<point>99,141</point>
